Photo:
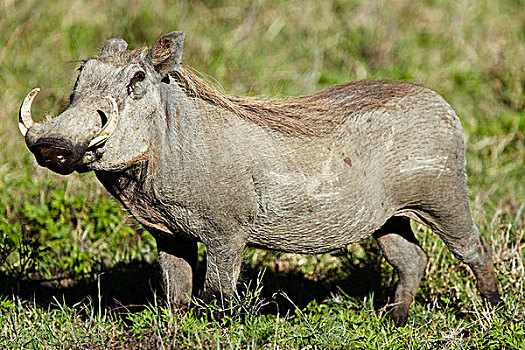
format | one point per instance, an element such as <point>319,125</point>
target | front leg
<point>178,260</point>
<point>223,265</point>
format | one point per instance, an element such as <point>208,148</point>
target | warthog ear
<point>166,53</point>
<point>112,47</point>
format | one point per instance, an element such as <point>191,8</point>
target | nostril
<point>51,155</point>
<point>103,117</point>
<point>61,158</point>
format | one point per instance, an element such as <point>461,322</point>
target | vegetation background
<point>77,272</point>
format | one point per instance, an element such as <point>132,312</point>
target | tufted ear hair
<point>112,47</point>
<point>166,53</point>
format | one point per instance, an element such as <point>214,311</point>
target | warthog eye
<point>139,76</point>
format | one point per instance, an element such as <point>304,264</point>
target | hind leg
<point>445,209</point>
<point>401,250</point>
<point>464,240</point>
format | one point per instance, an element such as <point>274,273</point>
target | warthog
<point>307,174</point>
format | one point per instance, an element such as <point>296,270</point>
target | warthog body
<point>308,174</point>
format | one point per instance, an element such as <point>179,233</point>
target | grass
<point>77,272</point>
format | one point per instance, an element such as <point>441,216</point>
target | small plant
<point>67,235</point>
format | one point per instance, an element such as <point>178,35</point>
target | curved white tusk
<point>110,126</point>
<point>24,115</point>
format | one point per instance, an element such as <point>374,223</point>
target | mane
<point>308,115</point>
<point>287,115</point>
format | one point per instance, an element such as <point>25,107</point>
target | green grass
<point>77,272</point>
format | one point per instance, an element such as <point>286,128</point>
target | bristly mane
<point>289,115</point>
<point>310,115</point>
<point>314,114</point>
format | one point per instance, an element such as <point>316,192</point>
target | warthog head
<point>114,111</point>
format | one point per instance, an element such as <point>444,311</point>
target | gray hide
<point>309,174</point>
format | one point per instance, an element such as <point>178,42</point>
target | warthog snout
<point>55,154</point>
<point>60,145</point>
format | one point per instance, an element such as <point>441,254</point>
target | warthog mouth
<point>25,121</point>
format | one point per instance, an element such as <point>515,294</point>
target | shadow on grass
<point>134,284</point>
<point>354,278</point>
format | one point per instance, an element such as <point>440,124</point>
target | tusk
<point>110,126</point>
<point>24,116</point>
